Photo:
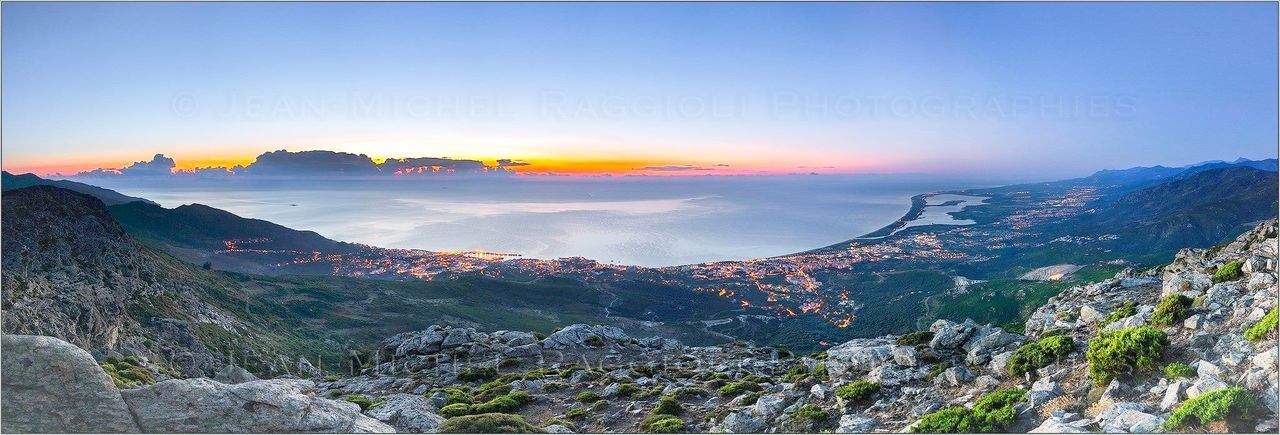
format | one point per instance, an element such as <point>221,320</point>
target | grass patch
<point>1171,309</point>
<point>1228,272</point>
<point>737,388</point>
<point>1032,356</point>
<point>1179,370</point>
<point>992,413</point>
<point>1119,312</point>
<point>667,405</point>
<point>488,423</point>
<point>1263,329</point>
<point>857,391</point>
<point>1233,405</point>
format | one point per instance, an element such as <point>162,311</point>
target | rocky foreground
<point>1189,347</point>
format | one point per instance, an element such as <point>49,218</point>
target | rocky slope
<point>958,376</point>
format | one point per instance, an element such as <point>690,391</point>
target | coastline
<point>918,203</point>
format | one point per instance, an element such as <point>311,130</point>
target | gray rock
<point>1058,425</point>
<point>906,356</point>
<point>890,376</point>
<point>50,385</point>
<point>980,348</point>
<point>277,405</point>
<point>858,354</point>
<point>577,336</point>
<point>853,423</point>
<point>523,351</point>
<point>1194,321</point>
<point>956,376</point>
<point>1172,395</point>
<point>950,335</point>
<point>557,428</point>
<point>1260,281</point>
<point>742,422</point>
<point>233,374</point>
<point>819,392</point>
<point>767,407</point>
<point>1133,421</point>
<point>1206,384</point>
<point>408,413</point>
<point>1090,314</point>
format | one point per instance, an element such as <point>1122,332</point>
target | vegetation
<point>857,391</point>
<point>1179,370</point>
<point>505,403</point>
<point>363,401</point>
<point>1229,405</point>
<point>627,390</point>
<point>667,405</point>
<point>477,374</point>
<point>797,374</point>
<point>1123,351</point>
<point>1032,356</point>
<point>587,397</point>
<point>1009,301</point>
<point>488,423</point>
<point>1121,311</point>
<point>992,413</point>
<point>1171,309</point>
<point>127,372</point>
<point>455,395</point>
<point>820,372</point>
<point>1228,272</point>
<point>805,417</point>
<point>662,423</point>
<point>1263,329</point>
<point>575,413</point>
<point>915,338</point>
<point>737,388</point>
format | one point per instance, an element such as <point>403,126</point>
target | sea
<point>631,220</point>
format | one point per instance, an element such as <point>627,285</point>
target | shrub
<point>554,386</point>
<point>1060,330</point>
<point>588,397</point>
<point>455,395</point>
<point>599,404</point>
<point>936,370</point>
<point>915,338</point>
<point>820,372</point>
<point>1228,272</point>
<point>364,402</point>
<point>648,423</point>
<point>477,374</point>
<point>488,423</point>
<point>691,392</point>
<point>562,422</point>
<point>575,413</point>
<point>737,388</point>
<point>1123,351</point>
<point>627,390</point>
<point>749,399</point>
<point>1263,329</point>
<point>1171,309</point>
<point>666,425</point>
<point>820,355</point>
<point>810,412</point>
<point>857,391</point>
<point>992,413</point>
<point>1032,356</point>
<point>1179,370</point>
<point>594,341</point>
<point>455,410</point>
<point>1121,311</point>
<point>1230,405</point>
<point>797,374</point>
<point>127,372</point>
<point>668,405</point>
<point>645,370</point>
<point>504,403</point>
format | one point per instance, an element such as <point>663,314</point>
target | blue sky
<point>1052,89</point>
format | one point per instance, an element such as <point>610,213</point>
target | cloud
<point>158,166</point>
<point>677,168</point>
<point>504,163</point>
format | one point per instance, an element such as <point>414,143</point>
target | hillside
<point>107,196</point>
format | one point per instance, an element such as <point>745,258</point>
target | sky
<point>1046,89</point>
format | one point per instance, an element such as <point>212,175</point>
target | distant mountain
<point>1199,207</point>
<point>1148,174</point>
<point>197,233</point>
<point>107,196</point>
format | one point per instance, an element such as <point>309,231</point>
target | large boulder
<point>52,386</point>
<point>275,406</point>
<point>950,335</point>
<point>408,413</point>
<point>859,355</point>
<point>580,335</point>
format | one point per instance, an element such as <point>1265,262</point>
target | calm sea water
<point>648,221</point>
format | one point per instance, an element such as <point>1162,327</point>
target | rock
<point>233,374</point>
<point>1133,421</point>
<point>853,423</point>
<point>458,337</point>
<point>557,428</point>
<point>742,422</point>
<point>768,407</point>
<point>50,385</point>
<point>1061,425</point>
<point>1194,321</point>
<point>424,342</point>
<point>1133,321</point>
<point>1206,384</point>
<point>1261,281</point>
<point>1090,314</point>
<point>1000,361</point>
<point>981,347</point>
<point>956,376</point>
<point>581,336</point>
<point>277,405</point>
<point>949,335</point>
<point>408,413</point>
<point>1267,360</point>
<point>858,354</point>
<point>610,390</point>
<point>524,351</point>
<point>819,392</point>
<point>889,376</point>
<point>905,356</point>
<point>1205,368</point>
<point>1192,282</point>
<point>1172,395</point>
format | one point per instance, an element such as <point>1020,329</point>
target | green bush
<point>737,388</point>
<point>504,403</point>
<point>1171,309</point>
<point>645,370</point>
<point>455,395</point>
<point>364,402</point>
<point>488,423</point>
<point>1032,356</point>
<point>477,374</point>
<point>1123,351</point>
<point>1263,329</point>
<point>594,341</point>
<point>797,374</point>
<point>666,425</point>
<point>992,413</point>
<point>1121,311</point>
<point>1179,370</point>
<point>575,413</point>
<point>749,399</point>
<point>667,405</point>
<point>1232,405</point>
<point>554,386</point>
<point>805,417</point>
<point>599,404</point>
<point>1228,272</point>
<point>627,390</point>
<point>857,391</point>
<point>588,397</point>
<point>455,410</point>
<point>127,372</point>
<point>915,338</point>
<point>820,372</point>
